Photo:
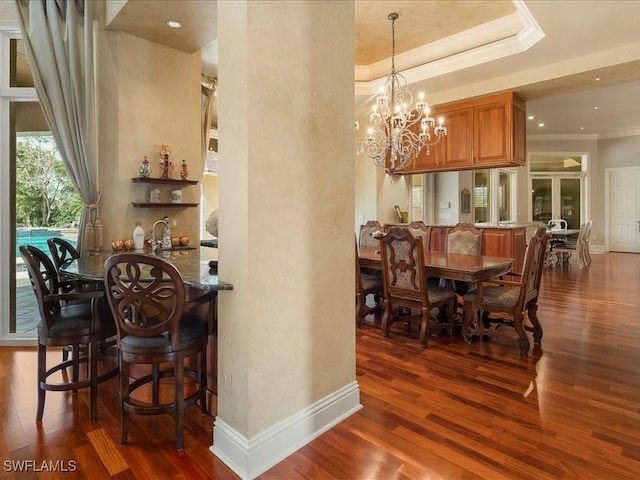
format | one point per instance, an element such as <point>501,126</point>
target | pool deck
<point>27,314</point>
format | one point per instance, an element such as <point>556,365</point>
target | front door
<point>624,208</point>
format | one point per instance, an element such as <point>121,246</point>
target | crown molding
<point>10,27</point>
<point>564,136</point>
<point>584,136</point>
<point>499,38</point>
<point>624,133</point>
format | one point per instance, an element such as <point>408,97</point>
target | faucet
<point>166,236</point>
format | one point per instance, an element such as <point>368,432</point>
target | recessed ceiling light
<point>541,125</point>
<point>173,24</point>
<point>596,107</point>
<point>597,79</point>
<point>531,117</point>
<point>581,128</point>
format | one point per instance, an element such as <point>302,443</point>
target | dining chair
<point>587,238</point>
<point>513,298</point>
<point>366,233</point>
<point>79,319</point>
<point>466,239</point>
<point>160,327</point>
<point>565,250</point>
<point>366,284</point>
<point>557,224</point>
<point>405,282</point>
<point>419,229</point>
<point>63,251</point>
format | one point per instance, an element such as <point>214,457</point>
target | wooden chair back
<point>61,251</point>
<point>146,294</point>
<point>366,233</point>
<point>464,238</point>
<point>403,270</point>
<point>533,266</point>
<point>557,224</point>
<point>44,281</point>
<point>365,284</point>
<point>419,229</point>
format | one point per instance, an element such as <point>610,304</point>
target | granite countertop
<point>503,225</point>
<point>194,271</point>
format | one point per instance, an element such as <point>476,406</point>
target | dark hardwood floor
<point>455,411</point>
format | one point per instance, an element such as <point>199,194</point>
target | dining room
<point>291,358</point>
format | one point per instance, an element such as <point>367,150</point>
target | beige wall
<point>148,94</point>
<point>286,202</point>
<point>8,12</point>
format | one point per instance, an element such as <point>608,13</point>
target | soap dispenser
<point>138,237</point>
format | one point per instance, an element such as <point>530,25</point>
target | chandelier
<point>398,132</point>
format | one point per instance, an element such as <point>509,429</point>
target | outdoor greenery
<point>45,196</point>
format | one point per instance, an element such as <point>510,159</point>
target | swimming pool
<point>38,238</point>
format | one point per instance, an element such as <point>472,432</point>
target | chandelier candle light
<point>393,140</point>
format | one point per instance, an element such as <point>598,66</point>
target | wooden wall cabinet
<point>486,132</point>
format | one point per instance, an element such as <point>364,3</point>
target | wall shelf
<point>165,181</point>
<point>158,205</point>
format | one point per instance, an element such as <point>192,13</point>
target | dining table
<point>452,266</point>
<point>559,238</point>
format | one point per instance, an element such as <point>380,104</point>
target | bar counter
<point>194,271</point>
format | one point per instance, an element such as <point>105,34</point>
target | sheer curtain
<point>59,42</point>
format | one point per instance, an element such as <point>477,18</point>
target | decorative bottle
<point>138,237</point>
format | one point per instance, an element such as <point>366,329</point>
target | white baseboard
<point>250,457</point>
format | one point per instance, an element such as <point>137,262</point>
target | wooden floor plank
<point>107,451</point>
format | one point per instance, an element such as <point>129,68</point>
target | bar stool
<point>157,326</point>
<point>77,319</point>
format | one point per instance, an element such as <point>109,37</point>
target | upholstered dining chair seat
<point>371,282</point>
<point>192,328</point>
<point>497,296</point>
<point>75,319</point>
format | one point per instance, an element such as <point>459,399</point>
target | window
<point>558,183</point>
<point>38,200</point>
<point>493,198</point>
<point>481,195</point>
